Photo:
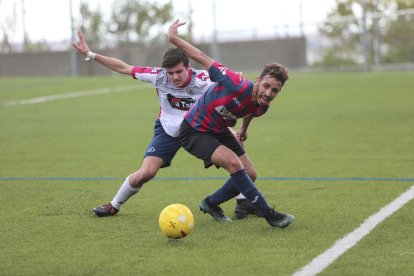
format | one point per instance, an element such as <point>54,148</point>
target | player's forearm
<point>246,122</point>
<point>114,64</point>
<point>191,51</point>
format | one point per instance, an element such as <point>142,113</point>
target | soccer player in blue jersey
<point>204,131</point>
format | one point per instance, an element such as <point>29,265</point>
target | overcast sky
<point>50,19</point>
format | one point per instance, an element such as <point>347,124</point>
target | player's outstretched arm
<point>112,63</point>
<point>188,49</point>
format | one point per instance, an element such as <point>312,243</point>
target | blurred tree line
<point>356,31</point>
<point>380,29</point>
<point>131,22</point>
<point>8,26</point>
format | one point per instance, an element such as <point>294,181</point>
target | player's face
<point>178,75</point>
<point>267,89</point>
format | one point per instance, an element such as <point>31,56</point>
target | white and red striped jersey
<point>174,102</point>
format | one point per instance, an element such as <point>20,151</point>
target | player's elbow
<point>125,69</point>
<point>205,60</point>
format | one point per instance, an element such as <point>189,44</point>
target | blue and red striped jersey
<point>224,102</point>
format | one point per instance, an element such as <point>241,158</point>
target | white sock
<point>240,196</point>
<point>124,193</point>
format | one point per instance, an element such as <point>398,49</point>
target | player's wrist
<point>90,55</point>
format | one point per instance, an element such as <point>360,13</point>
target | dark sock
<point>226,192</point>
<point>245,185</point>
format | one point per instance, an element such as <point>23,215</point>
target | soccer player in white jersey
<point>178,87</point>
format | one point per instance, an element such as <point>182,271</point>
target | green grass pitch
<point>344,142</point>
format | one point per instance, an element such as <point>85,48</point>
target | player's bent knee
<point>148,174</point>
<point>142,176</point>
<point>234,165</point>
<point>252,175</point>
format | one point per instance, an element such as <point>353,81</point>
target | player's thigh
<point>200,144</point>
<point>227,159</point>
<point>230,141</point>
<point>162,146</point>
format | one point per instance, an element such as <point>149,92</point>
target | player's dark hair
<point>276,71</point>
<point>173,57</point>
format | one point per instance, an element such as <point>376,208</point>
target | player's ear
<point>258,79</point>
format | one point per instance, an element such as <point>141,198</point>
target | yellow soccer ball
<point>176,221</point>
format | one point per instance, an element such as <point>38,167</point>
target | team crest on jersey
<point>203,76</point>
<point>180,103</point>
<point>155,70</point>
<point>236,101</point>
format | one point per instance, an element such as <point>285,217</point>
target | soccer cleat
<point>105,210</point>
<point>244,208</point>
<point>276,219</point>
<point>216,212</point>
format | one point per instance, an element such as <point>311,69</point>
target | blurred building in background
<point>246,56</point>
<point>372,40</point>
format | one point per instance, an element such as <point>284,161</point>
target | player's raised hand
<point>82,46</point>
<point>173,29</point>
<point>190,50</point>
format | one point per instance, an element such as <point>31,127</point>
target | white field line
<point>75,94</point>
<point>322,261</point>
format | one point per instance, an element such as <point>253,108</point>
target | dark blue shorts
<point>163,145</point>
